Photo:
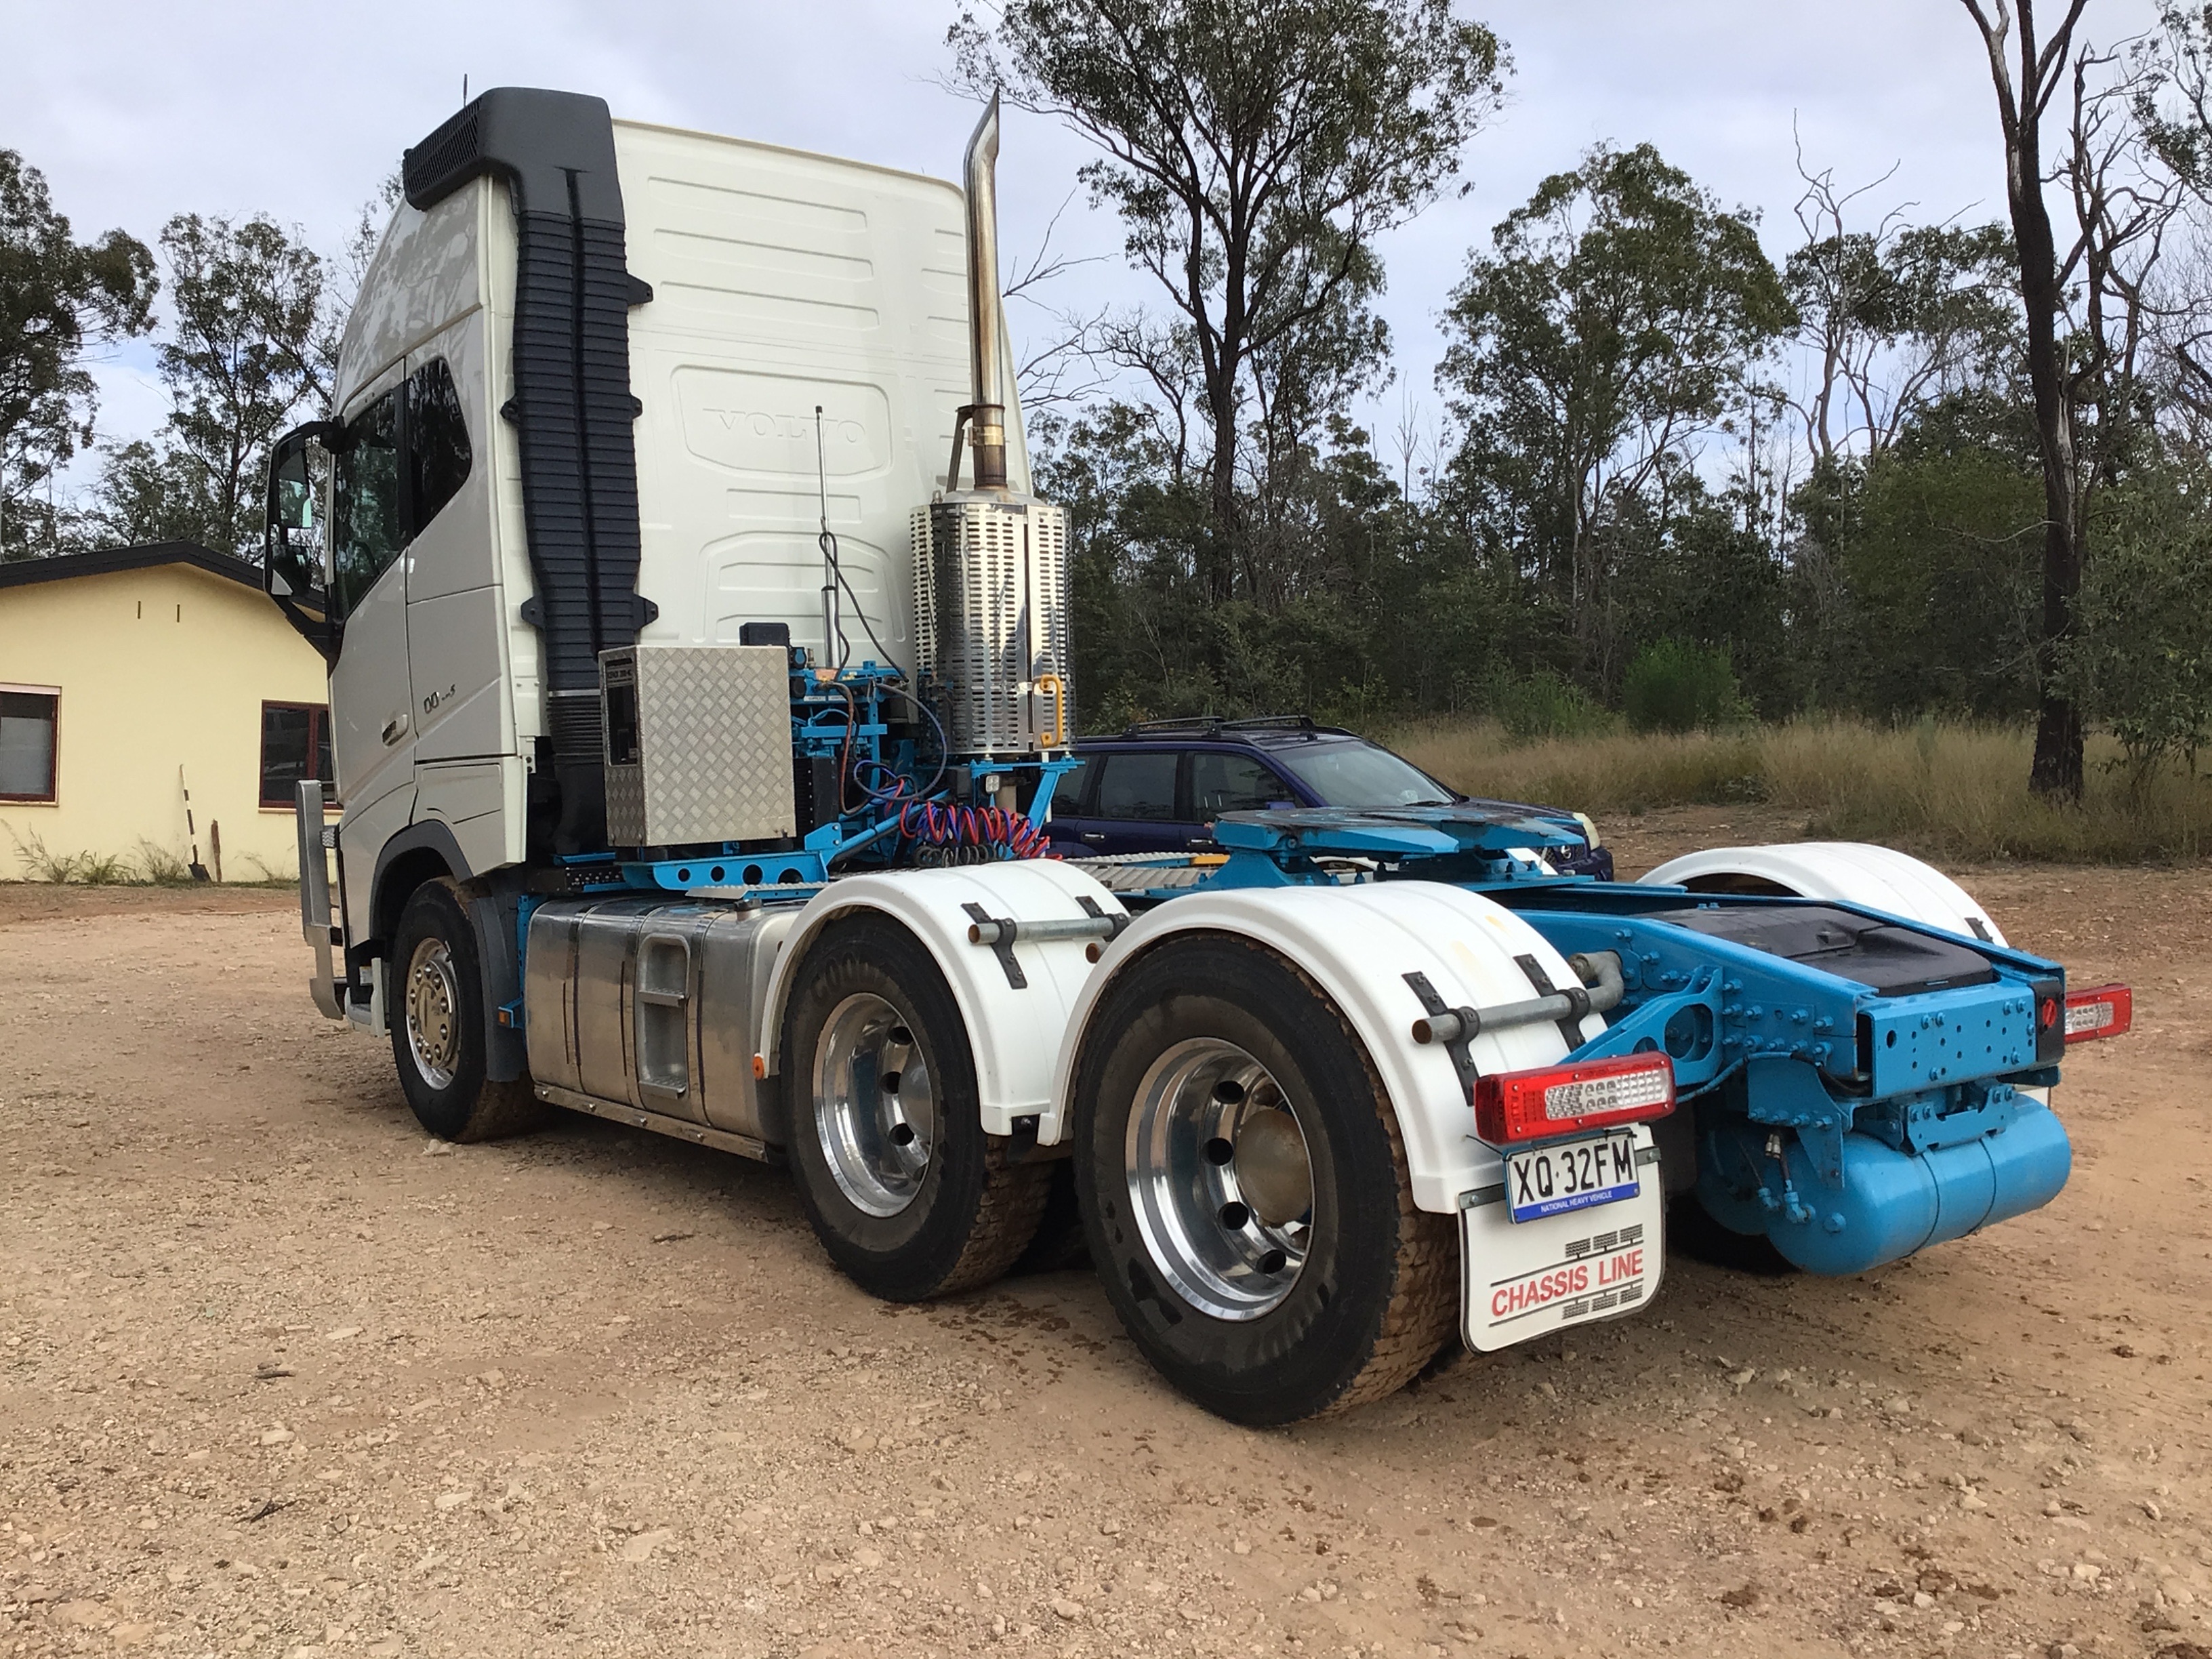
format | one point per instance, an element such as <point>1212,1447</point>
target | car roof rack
<point>1211,724</point>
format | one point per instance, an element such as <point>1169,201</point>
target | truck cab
<point>749,344</point>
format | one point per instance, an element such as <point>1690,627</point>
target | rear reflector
<point>2107,1012</point>
<point>1565,1100</point>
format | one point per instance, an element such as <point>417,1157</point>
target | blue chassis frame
<point>1766,1044</point>
<point>1900,1105</point>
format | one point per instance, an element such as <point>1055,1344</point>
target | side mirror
<point>294,565</point>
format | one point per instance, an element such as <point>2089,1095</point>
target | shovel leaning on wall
<point>192,835</point>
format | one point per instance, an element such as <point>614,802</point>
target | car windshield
<point>1357,773</point>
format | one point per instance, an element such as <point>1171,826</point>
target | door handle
<point>1094,837</point>
<point>394,729</point>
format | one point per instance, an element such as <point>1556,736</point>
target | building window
<point>296,744</point>
<point>28,721</point>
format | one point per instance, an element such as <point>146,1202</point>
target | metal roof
<point>60,567</point>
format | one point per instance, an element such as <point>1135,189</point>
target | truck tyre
<point>436,1011</point>
<point>1244,1188</point>
<point>1058,1244</point>
<point>908,1194</point>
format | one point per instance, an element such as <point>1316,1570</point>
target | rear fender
<point>1359,944</point>
<point>1842,873</point>
<point>1013,1032</point>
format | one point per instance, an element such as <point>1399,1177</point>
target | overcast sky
<point>136,111</point>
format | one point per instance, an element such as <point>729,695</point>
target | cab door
<point>456,615</point>
<point>467,773</point>
<point>373,727</point>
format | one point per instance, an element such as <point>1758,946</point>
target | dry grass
<point>152,866</point>
<point>1945,790</point>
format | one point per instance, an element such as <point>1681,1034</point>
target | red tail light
<point>2107,1012</point>
<point>1565,1100</point>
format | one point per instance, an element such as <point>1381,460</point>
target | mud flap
<point>492,915</point>
<point>1519,1281</point>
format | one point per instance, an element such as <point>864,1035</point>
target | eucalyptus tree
<point>250,345</point>
<point>2087,305</point>
<point>1256,150</point>
<point>60,300</point>
<point>1621,314</point>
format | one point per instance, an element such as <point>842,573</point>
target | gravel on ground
<point>280,1375</point>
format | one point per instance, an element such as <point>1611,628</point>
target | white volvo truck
<point>699,677</point>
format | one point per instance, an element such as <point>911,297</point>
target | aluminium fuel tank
<point>654,1004</point>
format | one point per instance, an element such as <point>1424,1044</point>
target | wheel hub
<point>433,1002</point>
<point>1273,1172</point>
<point>875,1105</point>
<point>1220,1178</point>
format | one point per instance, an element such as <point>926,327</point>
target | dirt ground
<point>278,1376</point>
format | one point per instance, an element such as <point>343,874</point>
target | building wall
<point>158,669</point>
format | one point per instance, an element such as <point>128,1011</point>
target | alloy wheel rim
<point>875,1104</point>
<point>433,1003</point>
<point>1220,1179</point>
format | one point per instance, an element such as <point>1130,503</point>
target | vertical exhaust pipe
<point>991,567</point>
<point>987,413</point>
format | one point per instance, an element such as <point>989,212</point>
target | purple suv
<point>1157,787</point>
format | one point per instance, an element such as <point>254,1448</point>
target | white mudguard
<point>1015,1031</point>
<point>1848,872</point>
<point>1359,944</point>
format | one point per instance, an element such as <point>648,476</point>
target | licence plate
<point>1571,1174</point>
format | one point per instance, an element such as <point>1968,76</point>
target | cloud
<point>137,113</point>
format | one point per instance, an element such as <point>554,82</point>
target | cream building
<point>132,676</point>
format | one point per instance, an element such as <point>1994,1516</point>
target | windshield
<point>1357,773</point>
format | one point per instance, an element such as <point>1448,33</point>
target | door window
<point>438,454</point>
<point>1067,795</point>
<point>1139,786</point>
<point>1232,783</point>
<point>365,531</point>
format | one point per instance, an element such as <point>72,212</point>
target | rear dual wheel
<point>906,1192</point>
<point>1245,1191</point>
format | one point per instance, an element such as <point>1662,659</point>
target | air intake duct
<point>572,407</point>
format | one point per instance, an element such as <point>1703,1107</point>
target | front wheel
<point>435,1006</point>
<point>906,1192</point>
<point>1244,1188</point>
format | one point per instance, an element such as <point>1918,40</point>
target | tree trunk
<point>2057,771</point>
<point>1226,528</point>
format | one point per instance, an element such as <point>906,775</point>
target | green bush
<point>2141,657</point>
<point>1675,687</point>
<point>1545,706</point>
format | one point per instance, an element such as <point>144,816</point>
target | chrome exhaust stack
<point>987,411</point>
<point>990,564</point>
